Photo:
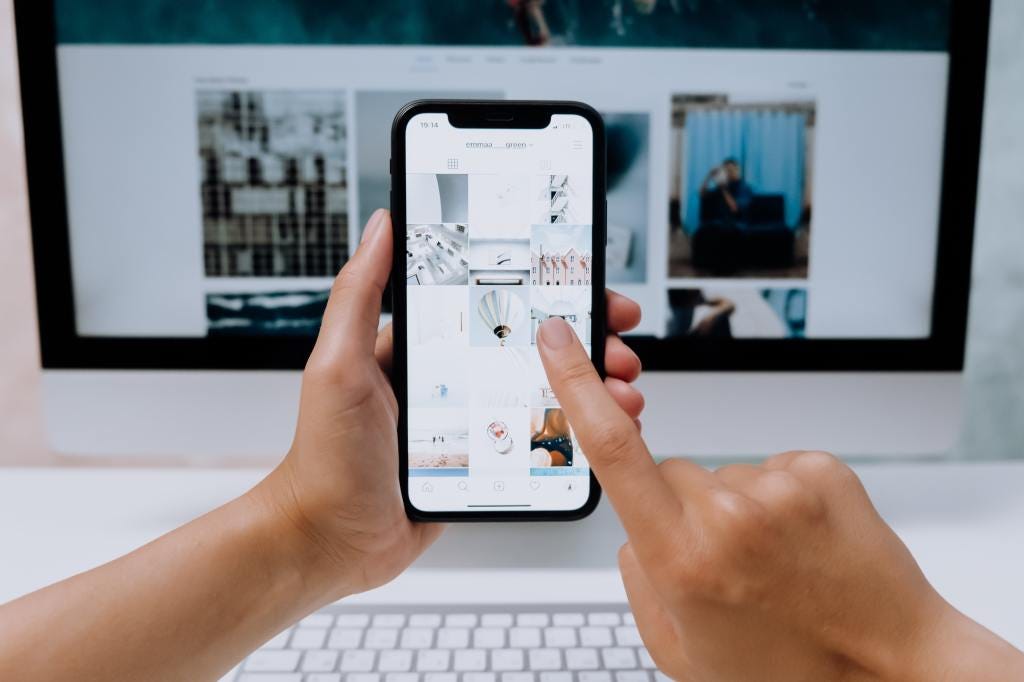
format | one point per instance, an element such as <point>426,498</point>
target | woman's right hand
<point>783,571</point>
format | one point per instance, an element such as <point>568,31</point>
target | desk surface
<point>964,523</point>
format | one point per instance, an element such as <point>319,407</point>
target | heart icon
<point>534,485</point>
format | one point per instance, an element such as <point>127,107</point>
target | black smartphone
<point>499,219</point>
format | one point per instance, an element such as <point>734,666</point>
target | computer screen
<point>774,167</point>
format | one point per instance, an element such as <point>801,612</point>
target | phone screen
<point>499,237</point>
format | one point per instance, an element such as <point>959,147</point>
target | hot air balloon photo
<point>500,316</point>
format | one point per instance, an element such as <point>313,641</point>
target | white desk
<point>964,523</point>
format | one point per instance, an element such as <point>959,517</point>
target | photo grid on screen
<point>489,258</point>
<point>274,189</point>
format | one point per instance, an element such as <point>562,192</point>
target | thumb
<point>349,328</point>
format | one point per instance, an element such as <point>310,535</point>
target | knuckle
<point>344,282</point>
<point>674,468</point>
<point>321,370</point>
<point>615,442</point>
<point>740,525</point>
<point>783,495</point>
<point>783,456</point>
<point>824,466</point>
<point>577,376</point>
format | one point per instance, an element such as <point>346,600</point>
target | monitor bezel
<point>62,348</point>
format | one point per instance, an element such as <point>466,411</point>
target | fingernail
<point>555,333</point>
<point>373,225</point>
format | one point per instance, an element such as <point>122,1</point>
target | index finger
<point>648,508</point>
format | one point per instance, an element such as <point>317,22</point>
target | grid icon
<point>453,164</point>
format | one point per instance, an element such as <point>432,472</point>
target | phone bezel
<point>489,114</point>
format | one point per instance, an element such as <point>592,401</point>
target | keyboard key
<point>561,676</point>
<point>460,620</point>
<point>628,618</point>
<point>265,660</point>
<point>270,677</point>
<point>277,641</point>
<point>441,677</point>
<point>595,676</point>
<point>417,638</point>
<point>324,677</point>
<point>389,620</point>
<point>317,620</point>
<point>517,677</point>
<point>507,659</point>
<point>581,659</point>
<point>402,677</point>
<point>309,638</point>
<point>452,638</point>
<point>605,618</point>
<point>425,620</point>
<point>357,661</point>
<point>599,636</point>
<point>618,658</point>
<point>532,620</point>
<point>381,638</point>
<point>645,659</point>
<point>362,677</point>
<point>488,638</point>
<point>432,660</point>
<point>497,620</point>
<point>470,660</point>
<point>345,638</point>
<point>397,661</point>
<point>661,677</point>
<point>572,620</point>
<point>479,677</point>
<point>628,635</point>
<point>632,676</point>
<point>560,637</point>
<point>545,659</point>
<point>319,661</point>
<point>524,638</point>
<point>352,620</point>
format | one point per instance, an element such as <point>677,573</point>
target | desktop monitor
<point>791,199</point>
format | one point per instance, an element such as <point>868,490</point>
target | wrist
<point>951,646</point>
<point>294,547</point>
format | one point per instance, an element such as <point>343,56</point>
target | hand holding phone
<point>499,223</point>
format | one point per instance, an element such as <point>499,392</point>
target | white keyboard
<point>477,643</point>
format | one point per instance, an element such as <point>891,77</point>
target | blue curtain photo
<point>769,144</point>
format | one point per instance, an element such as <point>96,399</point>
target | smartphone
<point>499,216</point>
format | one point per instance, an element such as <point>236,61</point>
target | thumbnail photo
<point>267,313</point>
<point>499,277</point>
<point>501,376</point>
<point>551,442</point>
<point>436,254</point>
<point>628,141</point>
<point>438,376</point>
<point>436,198</point>
<point>493,250</point>
<point>740,186</point>
<point>499,439</point>
<point>438,439</point>
<point>501,202</point>
<point>572,304</point>
<point>437,315</point>
<point>560,255</point>
<point>499,316</point>
<point>374,111</point>
<point>273,182</point>
<point>739,313</point>
<point>562,199</point>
